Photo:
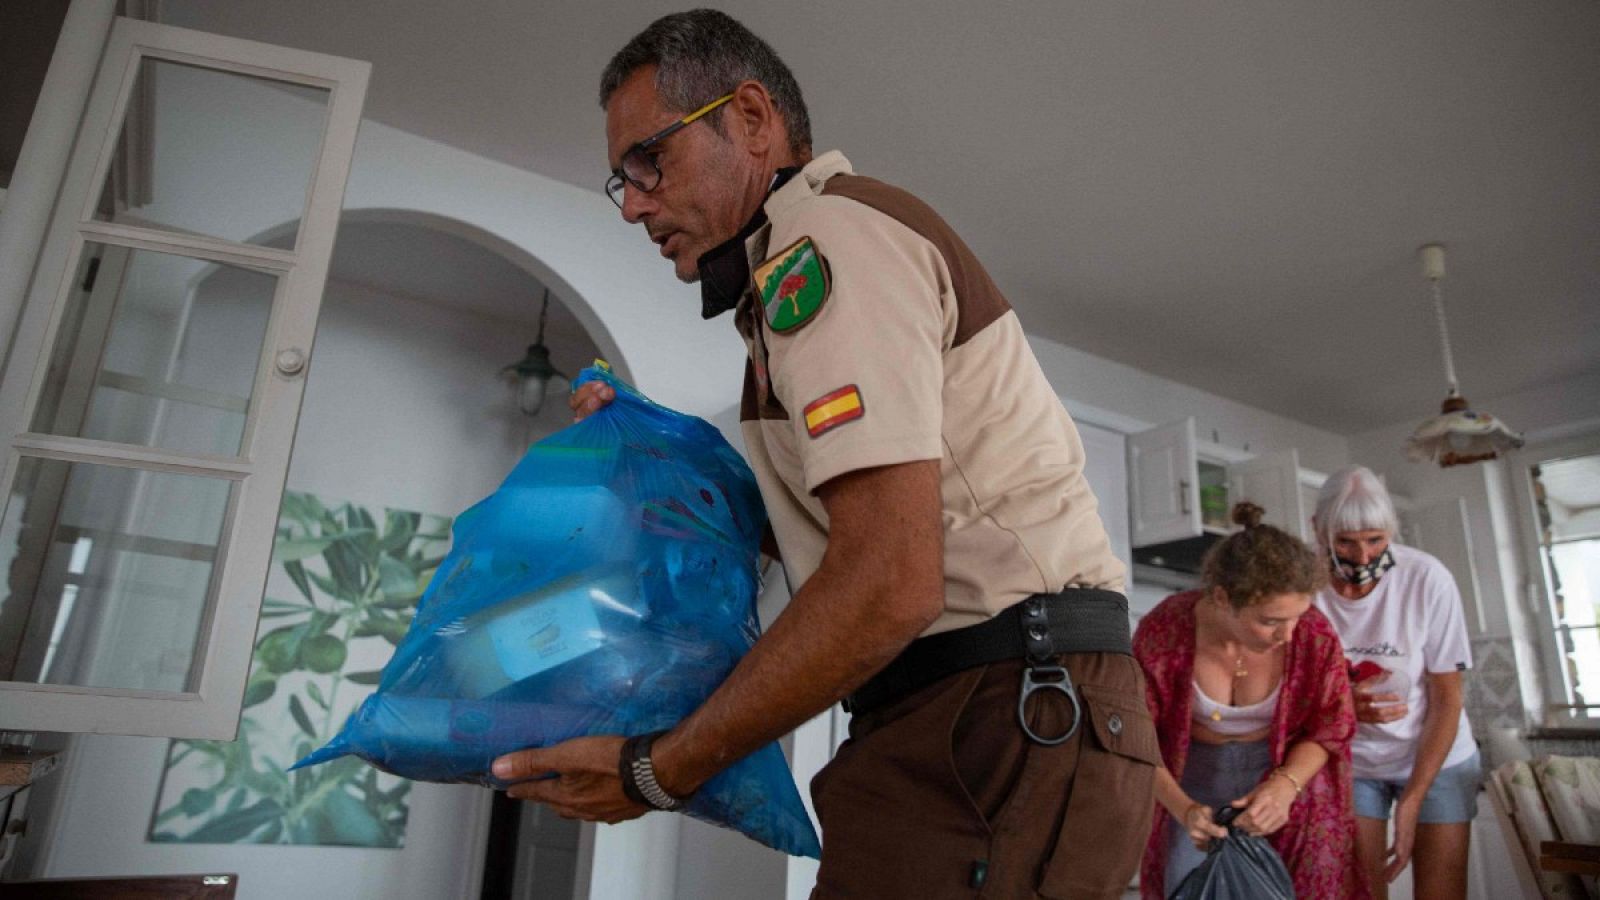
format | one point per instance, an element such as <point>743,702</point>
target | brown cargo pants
<point>940,794</point>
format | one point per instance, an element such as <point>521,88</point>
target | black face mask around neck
<point>725,269</point>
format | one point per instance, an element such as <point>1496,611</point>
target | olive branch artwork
<point>343,588</point>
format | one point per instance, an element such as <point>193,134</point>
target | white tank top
<point>1221,718</point>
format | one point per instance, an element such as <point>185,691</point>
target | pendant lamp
<point>533,373</point>
<point>1457,435</point>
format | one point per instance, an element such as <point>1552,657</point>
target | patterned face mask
<point>1360,575</point>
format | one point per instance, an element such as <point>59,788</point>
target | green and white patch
<point>793,285</point>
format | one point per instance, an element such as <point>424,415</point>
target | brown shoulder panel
<point>748,402</point>
<point>978,300</point>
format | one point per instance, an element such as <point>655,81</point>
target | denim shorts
<point>1452,798</point>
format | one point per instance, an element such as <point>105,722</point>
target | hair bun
<point>1247,514</point>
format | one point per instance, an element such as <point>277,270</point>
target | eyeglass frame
<point>619,176</point>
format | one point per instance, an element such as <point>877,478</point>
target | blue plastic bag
<point>607,587</point>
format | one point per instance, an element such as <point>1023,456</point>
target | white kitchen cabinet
<point>1178,494</point>
<point>1182,492</point>
<point>1272,482</point>
<point>1164,471</point>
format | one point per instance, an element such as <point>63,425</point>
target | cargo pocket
<point>1107,819</point>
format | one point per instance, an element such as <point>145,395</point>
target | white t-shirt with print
<point>1410,624</point>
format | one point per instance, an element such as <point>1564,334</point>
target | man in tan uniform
<point>925,487</point>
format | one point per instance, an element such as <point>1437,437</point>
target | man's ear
<point>753,118</point>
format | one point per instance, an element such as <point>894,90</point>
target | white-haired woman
<point>1398,613</point>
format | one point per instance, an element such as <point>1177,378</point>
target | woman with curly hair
<point>1247,684</point>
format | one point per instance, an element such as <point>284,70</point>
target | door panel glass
<point>109,573</point>
<point>262,139</point>
<point>157,350</point>
<point>1567,494</point>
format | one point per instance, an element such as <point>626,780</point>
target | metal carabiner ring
<point>1058,680</point>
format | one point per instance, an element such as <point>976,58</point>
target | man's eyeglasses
<point>639,167</point>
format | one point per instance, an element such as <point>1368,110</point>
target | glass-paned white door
<point>1565,492</point>
<point>149,402</point>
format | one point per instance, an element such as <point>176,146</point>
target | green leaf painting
<point>344,586</point>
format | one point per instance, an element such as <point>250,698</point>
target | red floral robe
<point>1319,842</point>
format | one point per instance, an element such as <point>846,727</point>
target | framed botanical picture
<point>343,587</point>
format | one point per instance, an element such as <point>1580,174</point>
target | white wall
<point>403,409</point>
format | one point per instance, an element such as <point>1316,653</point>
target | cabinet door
<point>1106,469</point>
<point>1163,489</point>
<point>1272,482</point>
<point>141,463</point>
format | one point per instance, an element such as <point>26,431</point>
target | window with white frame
<point>1564,494</point>
<point>149,399</point>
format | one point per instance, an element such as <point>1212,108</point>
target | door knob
<point>291,362</point>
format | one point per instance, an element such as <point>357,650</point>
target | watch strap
<point>639,775</point>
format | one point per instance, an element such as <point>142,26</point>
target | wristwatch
<point>639,774</point>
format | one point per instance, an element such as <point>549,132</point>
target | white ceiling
<point>1226,194</point>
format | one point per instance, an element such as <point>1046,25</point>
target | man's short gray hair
<point>1353,499</point>
<point>703,54</point>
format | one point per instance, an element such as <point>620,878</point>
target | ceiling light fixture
<point>1457,435</point>
<point>533,373</point>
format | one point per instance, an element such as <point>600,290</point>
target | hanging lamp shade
<point>1457,435</point>
<point>533,373</point>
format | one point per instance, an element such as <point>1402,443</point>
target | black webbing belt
<point>1075,620</point>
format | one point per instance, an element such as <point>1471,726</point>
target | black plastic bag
<point>1239,867</point>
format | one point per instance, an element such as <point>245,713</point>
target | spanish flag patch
<point>833,409</point>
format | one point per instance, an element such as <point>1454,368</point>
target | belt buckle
<point>1052,678</point>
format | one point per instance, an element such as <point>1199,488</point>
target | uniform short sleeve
<point>862,377</point>
<point>1446,648</point>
